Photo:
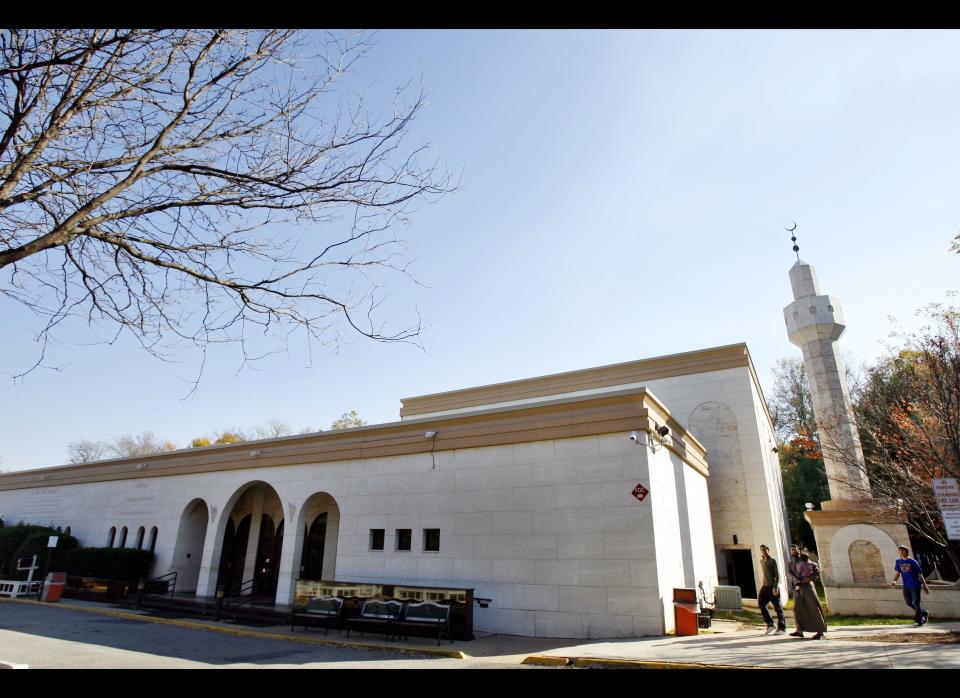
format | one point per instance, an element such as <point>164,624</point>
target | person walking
<point>808,615</point>
<point>913,580</point>
<point>770,593</point>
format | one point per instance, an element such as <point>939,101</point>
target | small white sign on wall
<point>951,521</point>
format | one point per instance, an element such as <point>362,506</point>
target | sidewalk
<point>729,644</point>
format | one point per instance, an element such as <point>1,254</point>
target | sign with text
<point>640,492</point>
<point>951,521</point>
<point>947,492</point>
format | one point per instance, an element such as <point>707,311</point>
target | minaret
<point>856,539</point>
<point>815,323</point>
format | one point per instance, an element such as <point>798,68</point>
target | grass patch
<point>741,616</point>
<point>868,620</point>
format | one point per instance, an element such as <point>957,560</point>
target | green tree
<point>348,420</point>
<point>802,469</point>
<point>804,481</point>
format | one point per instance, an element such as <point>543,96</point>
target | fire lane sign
<point>640,492</point>
<point>947,492</point>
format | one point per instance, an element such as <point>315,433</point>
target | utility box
<point>727,598</point>
<point>686,612</point>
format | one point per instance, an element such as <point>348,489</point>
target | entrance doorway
<point>740,572</point>
<point>311,560</point>
<point>252,542</point>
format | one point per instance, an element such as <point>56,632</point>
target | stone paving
<point>730,643</point>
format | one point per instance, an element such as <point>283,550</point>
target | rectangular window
<point>403,538</point>
<point>431,540</point>
<point>376,538</point>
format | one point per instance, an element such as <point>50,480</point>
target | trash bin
<point>53,587</point>
<point>686,612</point>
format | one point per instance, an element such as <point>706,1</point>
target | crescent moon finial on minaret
<point>790,228</point>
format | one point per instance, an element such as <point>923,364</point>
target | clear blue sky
<point>623,196</point>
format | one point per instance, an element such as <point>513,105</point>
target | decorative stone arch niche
<point>715,426</point>
<point>866,563</point>
<point>860,554</point>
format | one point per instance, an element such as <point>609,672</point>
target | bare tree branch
<point>187,186</point>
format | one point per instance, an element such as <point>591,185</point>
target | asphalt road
<point>58,638</point>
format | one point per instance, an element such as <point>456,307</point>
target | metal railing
<point>161,586</point>
<point>233,598</point>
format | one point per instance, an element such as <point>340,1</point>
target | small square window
<point>404,538</point>
<point>376,538</point>
<point>431,539</point>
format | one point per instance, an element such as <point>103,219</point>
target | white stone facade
<point>546,528</point>
<point>726,411</point>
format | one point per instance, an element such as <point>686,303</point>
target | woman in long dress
<point>806,606</point>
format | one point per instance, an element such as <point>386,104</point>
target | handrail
<point>162,585</point>
<point>240,595</point>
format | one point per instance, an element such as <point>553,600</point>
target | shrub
<point>124,564</point>
<point>36,544</point>
<point>11,538</point>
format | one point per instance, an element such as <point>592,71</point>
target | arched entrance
<point>319,528</point>
<point>252,541</point>
<point>188,551</point>
<point>314,539</point>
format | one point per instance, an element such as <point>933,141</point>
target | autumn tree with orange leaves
<point>908,413</point>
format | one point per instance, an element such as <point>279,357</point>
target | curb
<point>243,632</point>
<point>601,663</point>
<point>543,660</point>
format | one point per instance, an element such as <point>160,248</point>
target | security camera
<point>663,431</point>
<point>635,437</point>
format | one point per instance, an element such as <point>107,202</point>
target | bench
<point>426,614</point>
<point>322,610</point>
<point>376,615</point>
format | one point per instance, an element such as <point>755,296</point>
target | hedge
<point>125,564</point>
<point>36,544</point>
<point>13,545</point>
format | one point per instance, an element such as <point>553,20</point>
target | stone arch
<point>188,550</point>
<point>842,572</point>
<point>317,505</point>
<point>715,425</point>
<point>259,501</point>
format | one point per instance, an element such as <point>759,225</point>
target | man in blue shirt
<point>909,569</point>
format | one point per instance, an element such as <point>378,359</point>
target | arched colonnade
<point>247,542</point>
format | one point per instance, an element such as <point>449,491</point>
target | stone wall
<point>548,530</point>
<point>942,602</point>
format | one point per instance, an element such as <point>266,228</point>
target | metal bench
<point>426,614</point>
<point>321,610</point>
<point>377,615</point>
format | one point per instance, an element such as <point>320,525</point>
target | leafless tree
<point>129,446</point>
<point>790,404</point>
<point>87,451</point>
<point>201,186</point>
<point>273,429</point>
<point>908,414</point>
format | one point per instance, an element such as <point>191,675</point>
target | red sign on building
<point>640,492</point>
